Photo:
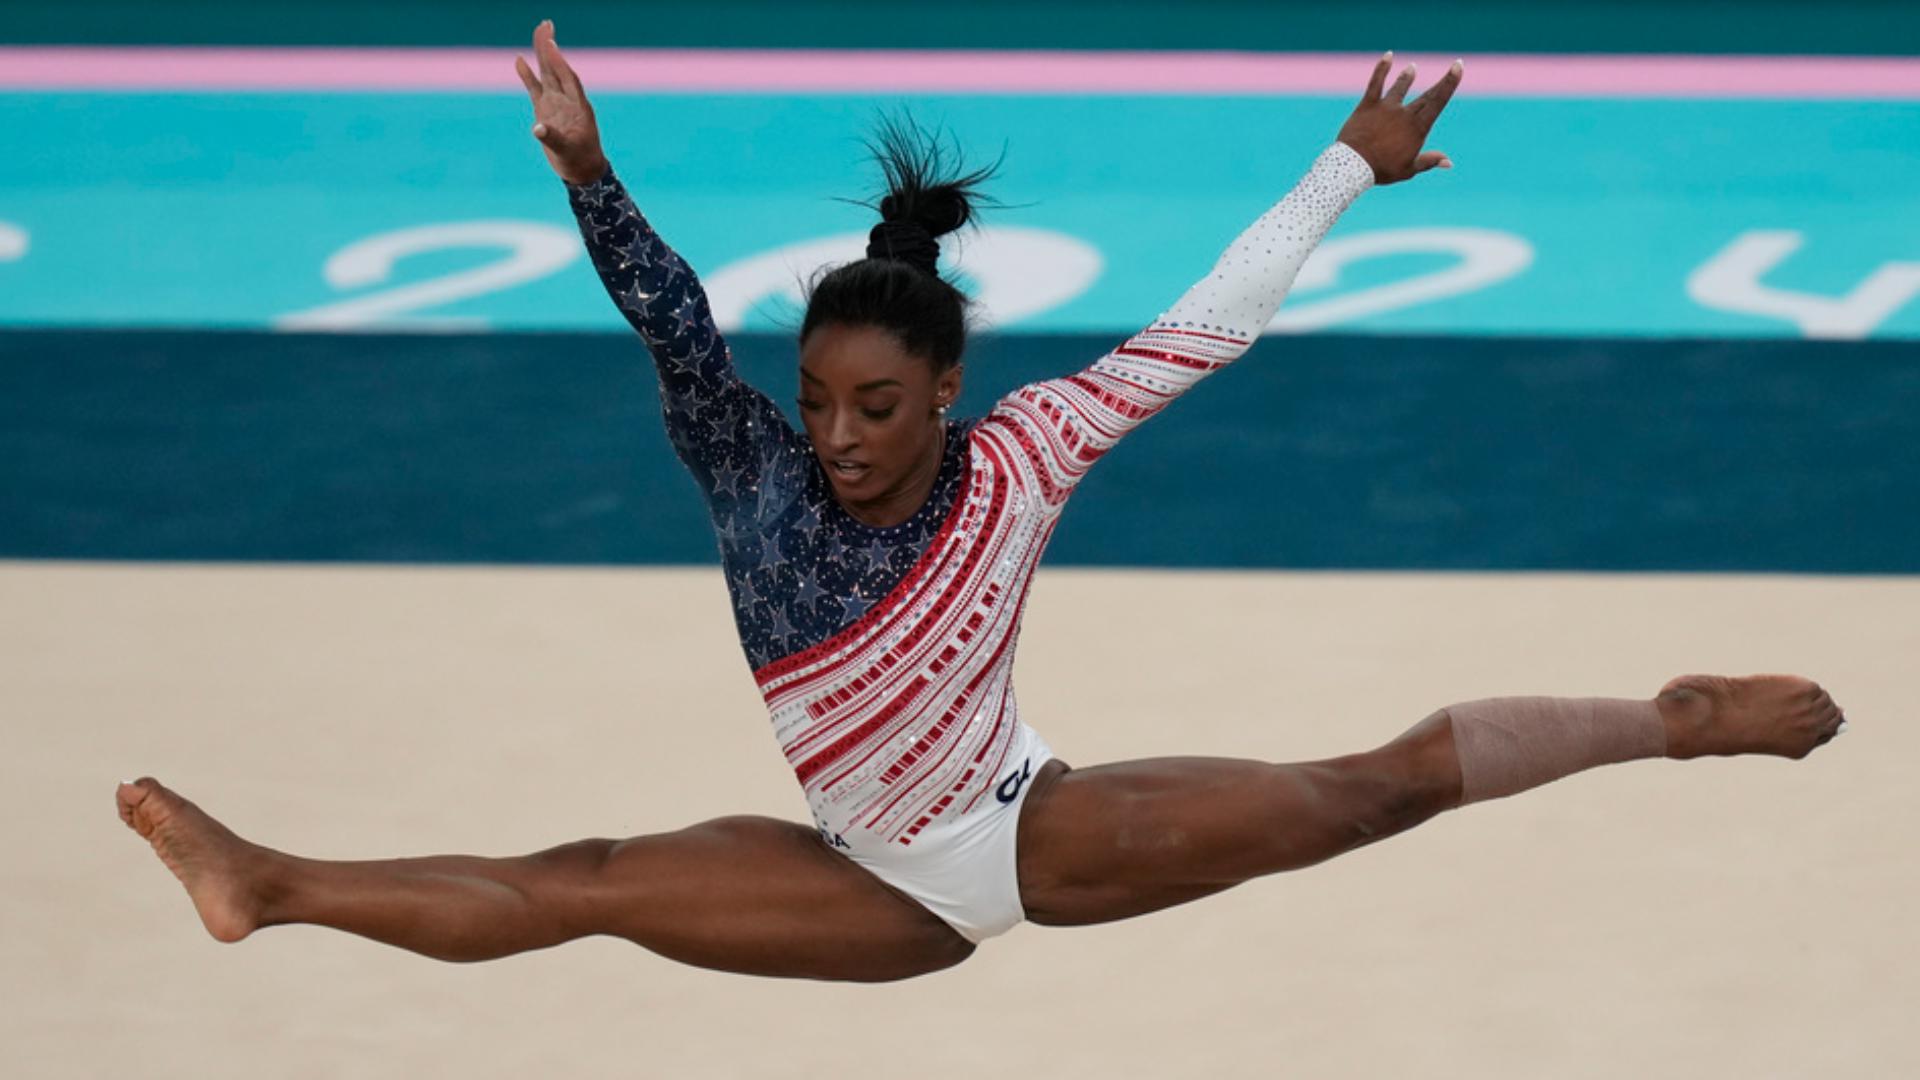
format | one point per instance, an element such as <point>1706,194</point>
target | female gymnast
<point>878,563</point>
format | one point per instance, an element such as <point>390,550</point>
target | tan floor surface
<point>1743,918</point>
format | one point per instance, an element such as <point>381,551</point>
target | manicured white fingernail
<point>128,783</point>
<point>1459,66</point>
<point>1387,56</point>
<point>1841,729</point>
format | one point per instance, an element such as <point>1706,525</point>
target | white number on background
<point>1487,257</point>
<point>1018,272</point>
<point>1730,281</point>
<point>534,250</point>
<point>13,242</point>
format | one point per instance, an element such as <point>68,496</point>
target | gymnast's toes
<point>218,869</point>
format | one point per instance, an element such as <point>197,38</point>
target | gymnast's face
<point>872,412</point>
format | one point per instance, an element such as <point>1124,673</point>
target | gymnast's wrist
<point>1350,164</point>
<point>588,173</point>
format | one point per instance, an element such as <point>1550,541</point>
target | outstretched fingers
<point>553,66</point>
<point>527,78</point>
<point>1428,105</point>
<point>1402,84</point>
<point>1378,83</point>
<point>1431,159</point>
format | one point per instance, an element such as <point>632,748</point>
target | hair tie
<point>907,241</point>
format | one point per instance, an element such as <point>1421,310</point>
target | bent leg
<point>745,894</point>
<point>1120,840</point>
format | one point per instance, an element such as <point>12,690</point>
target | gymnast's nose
<point>843,435</point>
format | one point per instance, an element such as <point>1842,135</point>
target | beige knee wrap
<point>1507,745</point>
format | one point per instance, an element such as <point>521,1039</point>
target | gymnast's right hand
<point>562,117</point>
<point>1388,131</point>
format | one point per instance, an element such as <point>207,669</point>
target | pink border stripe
<point>979,72</point>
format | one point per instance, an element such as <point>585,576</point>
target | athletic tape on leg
<point>1507,745</point>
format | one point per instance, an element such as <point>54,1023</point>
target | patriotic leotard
<point>885,655</point>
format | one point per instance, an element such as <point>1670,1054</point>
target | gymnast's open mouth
<point>848,470</point>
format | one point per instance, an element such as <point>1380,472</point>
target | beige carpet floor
<point>1724,918</point>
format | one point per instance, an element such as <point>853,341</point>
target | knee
<point>583,857</point>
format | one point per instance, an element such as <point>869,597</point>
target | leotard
<point>885,655</point>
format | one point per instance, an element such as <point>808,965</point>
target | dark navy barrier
<point>1321,452</point>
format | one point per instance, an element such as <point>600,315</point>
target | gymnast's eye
<point>810,406</point>
<point>877,414</point>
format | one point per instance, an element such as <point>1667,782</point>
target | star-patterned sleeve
<point>1071,422</point>
<point>730,436</point>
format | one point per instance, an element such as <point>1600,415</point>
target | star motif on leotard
<point>809,522</point>
<point>635,252</point>
<point>635,299</point>
<point>685,316</point>
<point>774,496</point>
<point>781,628</point>
<point>729,535</point>
<point>770,554</point>
<point>713,362</point>
<point>681,353</point>
<point>725,479</point>
<point>677,411</point>
<point>692,393</point>
<point>854,605</point>
<point>808,592</point>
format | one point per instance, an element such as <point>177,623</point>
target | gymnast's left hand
<point>562,116</point>
<point>1389,131</point>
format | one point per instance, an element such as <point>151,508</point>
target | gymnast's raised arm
<point>716,422</point>
<point>1082,416</point>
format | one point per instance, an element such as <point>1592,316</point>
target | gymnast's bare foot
<point>219,869</point>
<point>1783,715</point>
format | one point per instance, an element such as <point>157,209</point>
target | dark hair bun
<point>928,194</point>
<point>905,241</point>
<point>939,210</point>
<point>898,286</point>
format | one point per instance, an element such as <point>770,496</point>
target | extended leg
<point>742,894</point>
<point>1119,840</point>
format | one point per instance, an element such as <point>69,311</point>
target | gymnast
<point>878,562</point>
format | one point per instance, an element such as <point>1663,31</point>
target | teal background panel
<point>205,210</point>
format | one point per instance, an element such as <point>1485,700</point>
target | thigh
<point>766,897</point>
<point>1120,840</point>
